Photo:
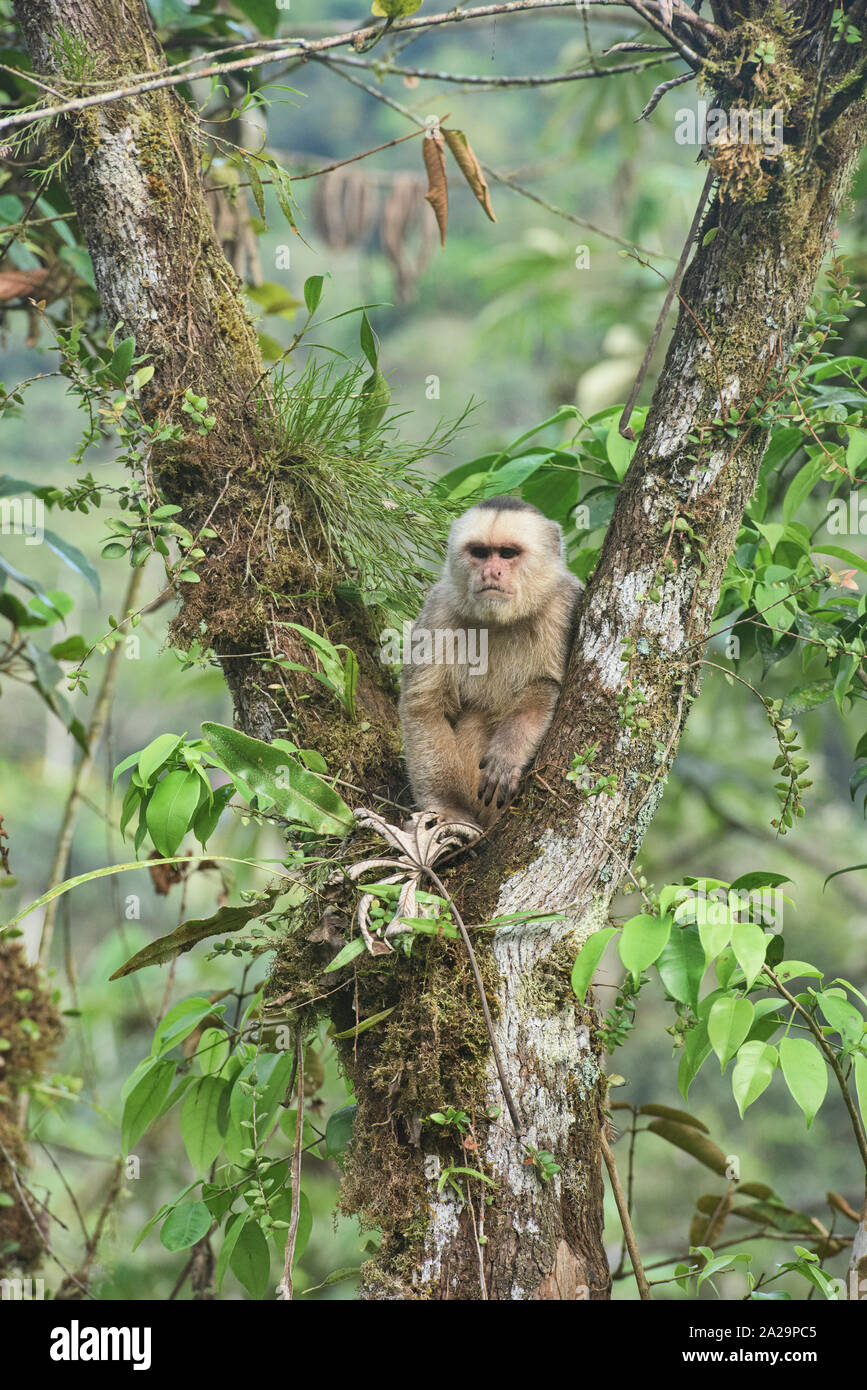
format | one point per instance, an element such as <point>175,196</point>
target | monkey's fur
<point>469,737</point>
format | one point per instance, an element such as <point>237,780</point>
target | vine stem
<point>625,1220</point>
<point>98,721</point>
<point>483,998</point>
<point>285,1286</point>
<point>832,1060</point>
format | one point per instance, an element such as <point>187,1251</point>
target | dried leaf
<point>437,194</point>
<point>709,1220</point>
<point>21,284</point>
<point>681,1117</point>
<point>693,1143</point>
<point>841,1205</point>
<point>470,168</point>
<point>188,934</point>
<point>666,9</point>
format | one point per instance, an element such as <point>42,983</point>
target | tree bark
<point>634,672</point>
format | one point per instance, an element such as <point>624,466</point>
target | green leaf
<point>69,883</point>
<point>840,554</point>
<point>350,951</point>
<point>72,648</point>
<point>619,450</point>
<point>760,878</point>
<point>696,1051</point>
<point>234,1227</point>
<point>807,697</point>
<point>363,1026</point>
<point>588,959</point>
<point>801,486</point>
<point>395,9</point>
<point>180,1021</point>
<point>188,934</point>
<point>281,1210</point>
<point>160,1213</point>
<point>313,292</point>
<point>212,1051</point>
<point>843,1017</point>
<point>184,1225</point>
<point>861,1085</point>
<point>754,1069</point>
<point>368,342</point>
<point>795,970</point>
<point>373,403</point>
<point>28,583</point>
<point>715,935</point>
<point>72,556</point>
<point>121,361</point>
<point>250,1260</point>
<point>335,1277</point>
<point>681,964</point>
<point>171,808</point>
<point>806,1074</point>
<point>145,1100</point>
<point>270,772</point>
<point>204,1120</point>
<point>749,944</point>
<point>642,940</point>
<point>338,1131</point>
<point>728,1024</point>
<point>152,758</point>
<point>264,14</point>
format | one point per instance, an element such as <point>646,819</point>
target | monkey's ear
<point>555,533</point>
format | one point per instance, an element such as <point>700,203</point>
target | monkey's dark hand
<point>500,778</point>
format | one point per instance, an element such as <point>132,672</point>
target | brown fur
<point>469,737</point>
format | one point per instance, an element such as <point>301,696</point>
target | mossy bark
<point>132,170</point>
<point>134,182</point>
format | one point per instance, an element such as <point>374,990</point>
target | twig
<point>483,998</point>
<point>301,48</point>
<point>625,1220</point>
<point>57,872</point>
<point>661,90</point>
<point>493,173</point>
<point>674,285</point>
<point>285,1286</point>
<point>483,1286</point>
<point>475,80</point>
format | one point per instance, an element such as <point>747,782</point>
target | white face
<point>503,564</point>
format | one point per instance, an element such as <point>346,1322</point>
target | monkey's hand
<point>500,778</point>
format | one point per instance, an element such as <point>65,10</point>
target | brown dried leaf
<point>693,1143</point>
<point>681,1117</point>
<point>709,1219</point>
<point>841,1205</point>
<point>437,194</point>
<point>470,168</point>
<point>21,284</point>
<point>666,9</point>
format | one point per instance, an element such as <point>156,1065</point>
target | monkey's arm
<point>516,741</point>
<point>436,758</point>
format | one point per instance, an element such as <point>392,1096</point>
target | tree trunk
<point>634,672</point>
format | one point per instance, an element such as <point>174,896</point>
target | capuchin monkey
<point>472,727</point>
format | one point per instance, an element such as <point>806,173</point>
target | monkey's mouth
<point>494,589</point>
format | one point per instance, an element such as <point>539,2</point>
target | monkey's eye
<point>508,552</point>
<point>480,552</point>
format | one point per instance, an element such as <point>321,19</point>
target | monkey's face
<point>503,565</point>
